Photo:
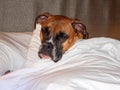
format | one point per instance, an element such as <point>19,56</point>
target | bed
<point>91,64</point>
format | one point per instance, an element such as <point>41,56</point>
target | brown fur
<point>62,23</point>
<point>60,33</point>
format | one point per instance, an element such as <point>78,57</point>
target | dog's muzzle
<point>45,50</point>
<point>48,50</point>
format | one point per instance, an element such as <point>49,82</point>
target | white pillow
<point>32,55</point>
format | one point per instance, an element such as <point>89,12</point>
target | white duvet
<point>92,64</point>
<point>13,50</point>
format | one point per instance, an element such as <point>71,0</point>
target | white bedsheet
<point>92,64</point>
<point>13,49</point>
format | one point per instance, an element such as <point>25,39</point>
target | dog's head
<point>58,34</point>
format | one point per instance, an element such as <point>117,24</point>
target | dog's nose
<point>48,46</point>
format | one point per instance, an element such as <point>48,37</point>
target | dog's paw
<point>8,71</point>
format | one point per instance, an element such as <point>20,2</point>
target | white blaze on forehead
<point>51,40</point>
<point>54,48</point>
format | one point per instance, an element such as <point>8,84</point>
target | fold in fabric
<point>13,49</point>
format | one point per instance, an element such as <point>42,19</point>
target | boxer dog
<point>58,34</point>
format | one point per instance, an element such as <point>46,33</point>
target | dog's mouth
<point>54,58</point>
<point>43,56</point>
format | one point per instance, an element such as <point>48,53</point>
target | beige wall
<point>102,17</point>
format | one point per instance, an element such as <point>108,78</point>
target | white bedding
<point>92,64</point>
<point>13,50</point>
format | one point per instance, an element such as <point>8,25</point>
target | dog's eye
<point>61,36</point>
<point>45,32</point>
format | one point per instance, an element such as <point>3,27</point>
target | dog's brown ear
<point>80,28</point>
<point>41,18</point>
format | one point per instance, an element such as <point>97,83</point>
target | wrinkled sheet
<point>13,50</point>
<point>92,64</point>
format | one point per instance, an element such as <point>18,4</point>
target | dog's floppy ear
<point>80,28</point>
<point>41,18</point>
